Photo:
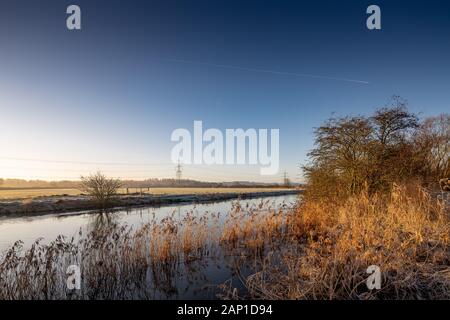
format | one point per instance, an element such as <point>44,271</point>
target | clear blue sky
<point>109,96</point>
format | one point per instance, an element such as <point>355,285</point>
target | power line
<point>84,162</point>
<point>203,170</point>
<point>76,170</point>
<point>144,171</point>
<point>191,166</point>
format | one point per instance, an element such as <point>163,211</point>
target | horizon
<point>152,180</point>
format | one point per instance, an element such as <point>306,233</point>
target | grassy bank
<point>59,204</point>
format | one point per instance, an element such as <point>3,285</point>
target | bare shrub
<point>100,188</point>
<point>352,153</point>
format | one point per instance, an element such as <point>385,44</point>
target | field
<point>33,193</point>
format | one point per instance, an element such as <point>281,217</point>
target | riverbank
<point>60,204</point>
<point>318,249</point>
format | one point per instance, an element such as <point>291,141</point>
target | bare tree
<point>354,153</point>
<point>393,123</point>
<point>434,141</point>
<point>340,158</point>
<point>392,149</point>
<point>100,188</point>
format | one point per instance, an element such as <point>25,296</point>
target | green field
<point>33,193</point>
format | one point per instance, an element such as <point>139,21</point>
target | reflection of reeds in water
<point>115,261</point>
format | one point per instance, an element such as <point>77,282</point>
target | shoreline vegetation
<point>314,250</point>
<point>66,203</point>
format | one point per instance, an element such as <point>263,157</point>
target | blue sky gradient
<point>114,91</point>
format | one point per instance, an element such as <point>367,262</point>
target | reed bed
<point>406,234</point>
<point>117,261</point>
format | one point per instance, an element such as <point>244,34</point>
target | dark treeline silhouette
<point>187,183</point>
<point>31,184</point>
<point>148,183</point>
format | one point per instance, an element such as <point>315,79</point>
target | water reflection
<point>102,220</point>
<point>29,228</point>
<point>145,253</point>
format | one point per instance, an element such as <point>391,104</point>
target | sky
<point>108,97</point>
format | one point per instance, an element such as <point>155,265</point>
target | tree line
<point>391,146</point>
<point>147,183</point>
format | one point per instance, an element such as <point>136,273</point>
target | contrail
<point>282,73</point>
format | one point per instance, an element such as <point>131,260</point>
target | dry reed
<point>316,250</point>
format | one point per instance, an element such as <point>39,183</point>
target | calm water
<point>199,285</point>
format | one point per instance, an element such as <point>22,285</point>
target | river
<point>48,227</point>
